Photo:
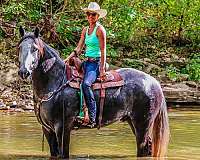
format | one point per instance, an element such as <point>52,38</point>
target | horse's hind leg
<point>52,141</point>
<point>139,128</point>
<point>140,119</point>
<point>144,147</point>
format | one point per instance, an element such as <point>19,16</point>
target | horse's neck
<point>43,83</point>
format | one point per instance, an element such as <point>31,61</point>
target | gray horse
<point>140,101</point>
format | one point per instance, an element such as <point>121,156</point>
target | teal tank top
<point>92,44</point>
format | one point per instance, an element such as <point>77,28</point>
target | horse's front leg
<point>52,141</point>
<point>63,138</point>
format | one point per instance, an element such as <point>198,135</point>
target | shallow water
<point>21,138</point>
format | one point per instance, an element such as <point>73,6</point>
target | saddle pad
<point>115,81</point>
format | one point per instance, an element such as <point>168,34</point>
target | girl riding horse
<point>94,37</point>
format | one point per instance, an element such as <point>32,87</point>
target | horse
<point>140,101</point>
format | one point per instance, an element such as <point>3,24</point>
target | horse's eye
<point>34,49</point>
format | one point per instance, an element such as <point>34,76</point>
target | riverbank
<point>17,93</point>
<point>185,92</point>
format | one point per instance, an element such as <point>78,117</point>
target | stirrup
<point>90,124</point>
<point>79,119</point>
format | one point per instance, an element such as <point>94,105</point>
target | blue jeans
<point>91,72</point>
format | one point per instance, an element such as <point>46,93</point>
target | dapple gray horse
<point>140,101</point>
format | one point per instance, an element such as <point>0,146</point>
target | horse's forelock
<point>26,36</point>
<point>38,42</point>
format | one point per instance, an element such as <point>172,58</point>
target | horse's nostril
<point>20,73</point>
<point>27,73</point>
<point>23,73</point>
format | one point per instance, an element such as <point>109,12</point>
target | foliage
<point>193,68</point>
<point>133,63</point>
<point>173,73</point>
<point>119,21</point>
<point>66,28</point>
<point>1,34</point>
<point>26,9</point>
<point>135,29</point>
<point>111,52</point>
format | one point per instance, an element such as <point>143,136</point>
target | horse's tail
<point>160,131</point>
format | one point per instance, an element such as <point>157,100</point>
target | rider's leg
<point>91,71</point>
<point>85,111</point>
<point>88,94</point>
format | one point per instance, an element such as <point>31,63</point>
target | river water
<point>21,138</point>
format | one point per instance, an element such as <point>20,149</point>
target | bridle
<point>38,44</point>
<point>47,64</point>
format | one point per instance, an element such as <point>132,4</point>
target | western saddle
<point>111,79</point>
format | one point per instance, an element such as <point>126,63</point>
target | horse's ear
<point>36,32</point>
<point>21,31</point>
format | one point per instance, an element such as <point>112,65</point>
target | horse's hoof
<point>53,158</point>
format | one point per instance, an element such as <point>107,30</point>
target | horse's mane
<point>53,52</point>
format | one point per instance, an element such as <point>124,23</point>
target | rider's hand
<point>70,56</point>
<point>66,60</point>
<point>102,74</point>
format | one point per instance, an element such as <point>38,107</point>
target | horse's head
<point>30,50</point>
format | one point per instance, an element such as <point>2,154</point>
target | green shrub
<point>1,34</point>
<point>173,73</point>
<point>27,9</point>
<point>193,68</point>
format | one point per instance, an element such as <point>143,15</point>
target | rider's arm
<point>101,34</point>
<point>81,42</point>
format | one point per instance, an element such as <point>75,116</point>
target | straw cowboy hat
<point>94,7</point>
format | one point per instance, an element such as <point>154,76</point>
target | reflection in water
<point>21,138</point>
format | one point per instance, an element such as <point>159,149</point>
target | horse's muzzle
<point>24,73</point>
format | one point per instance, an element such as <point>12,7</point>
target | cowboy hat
<point>94,7</point>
